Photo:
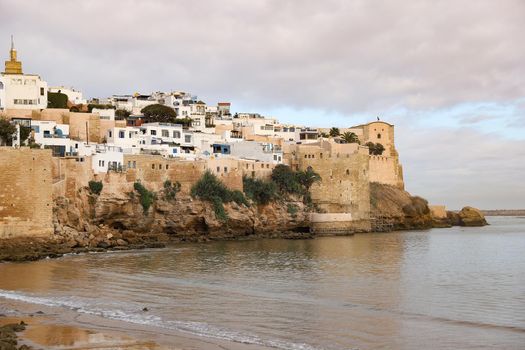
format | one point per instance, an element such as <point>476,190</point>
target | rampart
<point>26,206</point>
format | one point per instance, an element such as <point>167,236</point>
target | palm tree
<point>334,132</point>
<point>350,137</point>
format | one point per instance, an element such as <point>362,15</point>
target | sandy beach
<point>51,328</point>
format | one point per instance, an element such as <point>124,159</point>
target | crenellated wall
<point>344,188</point>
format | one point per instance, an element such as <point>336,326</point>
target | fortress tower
<point>13,66</point>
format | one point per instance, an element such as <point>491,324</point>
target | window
<point>153,132</point>
<point>187,138</point>
<point>1,85</point>
<point>42,91</point>
<point>110,133</point>
<point>121,134</point>
<point>275,157</point>
<point>176,134</point>
<point>167,166</point>
<point>347,172</point>
<point>129,164</point>
<point>225,169</point>
<point>134,164</point>
<point>378,136</point>
<point>152,166</point>
<point>165,133</point>
<point>218,169</point>
<point>76,145</point>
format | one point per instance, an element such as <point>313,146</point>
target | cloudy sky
<point>449,74</point>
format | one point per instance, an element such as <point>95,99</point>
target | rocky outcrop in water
<point>468,216</point>
<point>392,208</point>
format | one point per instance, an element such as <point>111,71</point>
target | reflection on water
<point>442,289</point>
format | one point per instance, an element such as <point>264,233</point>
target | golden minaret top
<point>13,66</point>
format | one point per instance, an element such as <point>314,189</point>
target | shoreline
<point>24,249</point>
<point>53,327</point>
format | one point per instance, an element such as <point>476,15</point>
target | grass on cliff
<point>211,189</point>
<point>146,197</point>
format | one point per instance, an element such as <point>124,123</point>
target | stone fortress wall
<point>343,195</point>
<point>26,203</point>
<point>344,189</point>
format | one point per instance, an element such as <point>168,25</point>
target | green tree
<point>121,114</point>
<point>56,100</point>
<point>159,113</point>
<point>350,137</point>
<point>307,178</point>
<point>261,192</point>
<point>379,149</point>
<point>334,132</point>
<point>285,179</point>
<point>375,148</point>
<point>7,129</point>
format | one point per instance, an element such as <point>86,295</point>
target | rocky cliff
<point>392,208</point>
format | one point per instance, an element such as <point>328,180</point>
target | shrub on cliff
<point>171,189</point>
<point>95,187</point>
<point>261,192</point>
<point>294,182</point>
<point>286,179</point>
<point>209,188</point>
<point>146,197</point>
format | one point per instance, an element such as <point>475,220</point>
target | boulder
<point>470,216</point>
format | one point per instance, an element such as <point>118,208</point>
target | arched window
<point>378,136</point>
<point>1,85</point>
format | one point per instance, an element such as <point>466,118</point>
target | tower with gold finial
<point>13,66</point>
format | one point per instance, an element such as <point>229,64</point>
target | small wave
<point>195,328</point>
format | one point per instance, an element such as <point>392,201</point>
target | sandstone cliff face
<point>120,216</point>
<point>392,208</point>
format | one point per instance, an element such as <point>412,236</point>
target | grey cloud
<point>349,56</point>
<point>336,56</point>
<point>459,167</point>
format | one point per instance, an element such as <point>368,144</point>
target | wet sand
<point>52,328</point>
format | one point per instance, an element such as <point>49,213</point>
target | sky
<point>449,74</point>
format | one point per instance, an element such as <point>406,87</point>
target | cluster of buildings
<point>245,143</point>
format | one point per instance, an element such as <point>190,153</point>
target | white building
<point>107,114</point>
<point>74,96</point>
<point>107,158</point>
<point>18,90</point>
